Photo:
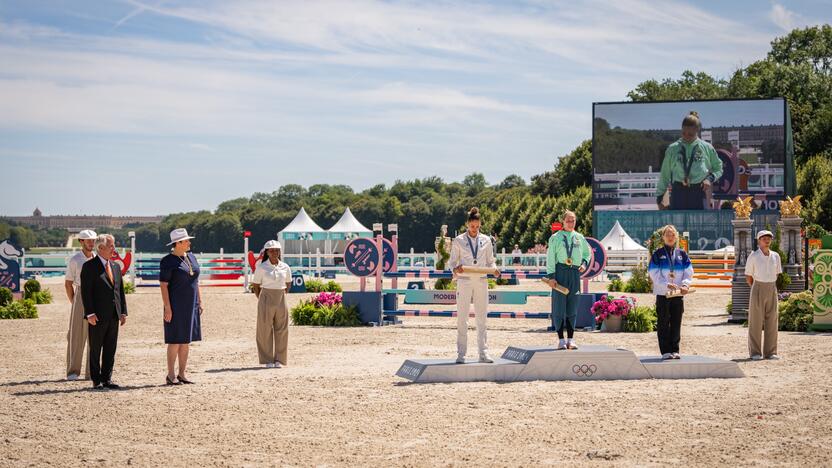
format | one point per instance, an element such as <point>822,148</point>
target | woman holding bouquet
<point>672,273</point>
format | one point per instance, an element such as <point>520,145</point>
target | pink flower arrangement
<point>326,299</point>
<point>607,306</point>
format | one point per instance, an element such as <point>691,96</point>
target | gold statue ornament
<point>790,207</point>
<point>743,207</point>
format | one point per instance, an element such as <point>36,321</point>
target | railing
<point>222,266</point>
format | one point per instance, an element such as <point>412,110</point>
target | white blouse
<point>270,276</point>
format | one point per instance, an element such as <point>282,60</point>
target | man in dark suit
<point>104,308</point>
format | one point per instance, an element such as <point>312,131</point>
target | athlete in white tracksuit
<point>471,249</point>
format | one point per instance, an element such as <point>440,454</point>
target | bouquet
<point>608,306</point>
<point>326,299</point>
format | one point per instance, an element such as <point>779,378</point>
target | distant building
<point>76,223</point>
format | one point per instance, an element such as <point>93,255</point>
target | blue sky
<point>669,115</point>
<point>156,107</point>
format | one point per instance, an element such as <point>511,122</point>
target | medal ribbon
<point>688,163</point>
<point>569,247</point>
<point>474,251</point>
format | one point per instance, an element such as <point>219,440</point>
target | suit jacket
<point>100,296</point>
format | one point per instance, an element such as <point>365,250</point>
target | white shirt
<point>463,254</point>
<point>270,276</point>
<point>763,268</point>
<point>73,268</point>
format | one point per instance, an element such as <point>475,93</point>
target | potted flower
<point>610,312</point>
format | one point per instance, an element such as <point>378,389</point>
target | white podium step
<point>587,363</point>
<point>691,367</point>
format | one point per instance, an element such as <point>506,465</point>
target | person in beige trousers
<point>76,337</point>
<point>761,272</point>
<point>272,280</point>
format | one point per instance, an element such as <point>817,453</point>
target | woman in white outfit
<point>471,249</point>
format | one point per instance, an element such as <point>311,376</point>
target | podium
<point>590,362</point>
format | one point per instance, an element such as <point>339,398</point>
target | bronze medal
<point>686,182</point>
<point>569,261</point>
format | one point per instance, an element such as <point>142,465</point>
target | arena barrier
<point>214,272</point>
<point>709,270</point>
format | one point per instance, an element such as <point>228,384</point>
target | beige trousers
<point>762,315</point>
<point>76,338</point>
<point>272,326</point>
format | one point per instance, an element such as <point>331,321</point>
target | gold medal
<point>569,261</point>
<point>672,276</point>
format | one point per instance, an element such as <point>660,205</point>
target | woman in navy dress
<point>179,281</point>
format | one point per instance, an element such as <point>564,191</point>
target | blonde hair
<point>692,120</point>
<point>567,213</point>
<point>672,229</point>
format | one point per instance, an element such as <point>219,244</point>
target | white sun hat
<point>87,234</point>
<point>179,234</point>
<point>272,244</point>
<point>764,233</point>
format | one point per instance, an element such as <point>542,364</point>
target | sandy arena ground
<point>338,402</point>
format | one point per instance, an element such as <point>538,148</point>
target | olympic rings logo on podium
<point>584,370</point>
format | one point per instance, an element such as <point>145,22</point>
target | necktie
<point>110,273</point>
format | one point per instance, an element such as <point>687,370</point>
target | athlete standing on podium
<point>471,249</point>
<point>567,258</point>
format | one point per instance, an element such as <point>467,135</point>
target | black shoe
<point>168,381</point>
<point>183,380</point>
<point>97,386</point>
<point>111,386</point>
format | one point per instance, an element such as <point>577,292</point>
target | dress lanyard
<point>474,251</point>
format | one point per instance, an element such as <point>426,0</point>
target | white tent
<point>346,229</point>
<point>618,240</point>
<point>302,235</point>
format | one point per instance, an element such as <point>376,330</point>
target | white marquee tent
<point>618,240</point>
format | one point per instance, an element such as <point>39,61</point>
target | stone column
<point>740,291</point>
<point>791,243</point>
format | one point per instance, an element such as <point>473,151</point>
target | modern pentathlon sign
<point>361,256</point>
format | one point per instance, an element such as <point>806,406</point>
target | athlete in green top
<point>568,256</point>
<point>689,170</point>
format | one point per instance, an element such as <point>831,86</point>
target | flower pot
<point>613,324</point>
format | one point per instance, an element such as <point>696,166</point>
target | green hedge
<point>317,286</point>
<point>307,313</point>
<point>796,312</point>
<point>639,282</point>
<point>641,319</point>
<point>32,290</point>
<point>6,297</point>
<point>24,309</point>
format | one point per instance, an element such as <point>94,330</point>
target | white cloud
<point>782,17</point>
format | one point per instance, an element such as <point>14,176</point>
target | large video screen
<point>642,162</point>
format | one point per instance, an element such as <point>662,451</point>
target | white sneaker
<point>667,356</point>
<point>486,358</point>
<point>269,365</point>
<point>561,344</point>
<point>276,365</point>
<point>774,357</point>
<point>677,356</point>
<point>571,344</point>
<point>756,357</point>
<point>72,377</point>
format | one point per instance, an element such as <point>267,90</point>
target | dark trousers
<point>669,325</point>
<point>565,313</point>
<point>103,338</point>
<point>687,198</point>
